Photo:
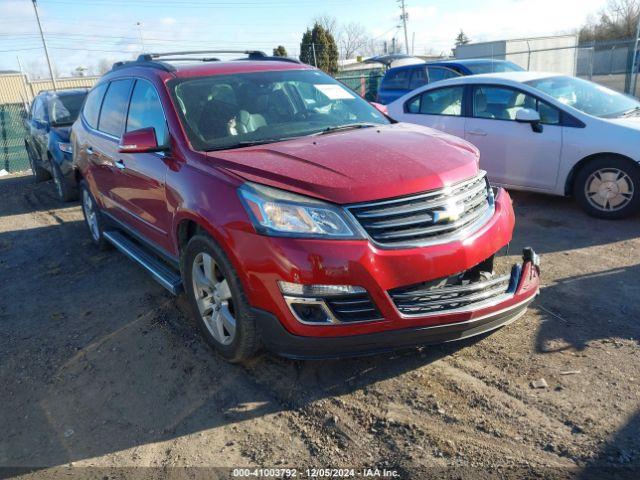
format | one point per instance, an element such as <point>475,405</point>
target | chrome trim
<point>322,303</point>
<point>459,234</point>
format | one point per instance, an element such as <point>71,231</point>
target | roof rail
<point>147,57</point>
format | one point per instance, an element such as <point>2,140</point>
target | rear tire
<point>66,192</point>
<point>217,300</point>
<point>93,217</point>
<point>39,173</point>
<point>608,188</point>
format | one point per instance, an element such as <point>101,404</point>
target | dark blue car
<point>400,80</point>
<point>48,125</point>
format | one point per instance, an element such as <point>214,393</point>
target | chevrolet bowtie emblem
<point>450,212</point>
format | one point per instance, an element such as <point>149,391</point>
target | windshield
<point>227,111</point>
<point>586,96</point>
<point>494,67</point>
<point>64,109</point>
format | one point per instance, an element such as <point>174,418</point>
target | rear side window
<point>443,101</point>
<point>441,73</point>
<point>91,109</point>
<point>146,111</point>
<point>397,80</point>
<point>114,107</point>
<point>418,79</point>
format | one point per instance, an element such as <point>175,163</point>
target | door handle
<point>119,164</point>
<point>480,133</point>
<point>89,151</point>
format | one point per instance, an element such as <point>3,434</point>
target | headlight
<point>280,213</point>
<point>65,147</point>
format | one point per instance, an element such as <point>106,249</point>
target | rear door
<point>394,85</point>
<point>440,108</point>
<point>138,189</point>
<point>38,130</point>
<point>512,153</point>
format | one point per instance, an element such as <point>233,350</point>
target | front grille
<point>353,308</point>
<point>466,289</point>
<point>430,216</point>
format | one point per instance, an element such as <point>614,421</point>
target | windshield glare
<point>586,96</point>
<point>226,111</point>
<point>64,109</point>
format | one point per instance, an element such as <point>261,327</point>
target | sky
<point>85,32</point>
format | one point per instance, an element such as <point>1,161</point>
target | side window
<point>397,80</point>
<point>440,73</point>
<point>444,101</point>
<point>413,105</point>
<point>91,109</point>
<point>145,111</point>
<point>418,78</point>
<point>38,111</point>
<point>114,107</point>
<point>503,103</point>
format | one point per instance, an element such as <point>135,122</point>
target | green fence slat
<point>13,157</point>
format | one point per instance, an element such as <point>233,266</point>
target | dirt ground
<point>100,367</point>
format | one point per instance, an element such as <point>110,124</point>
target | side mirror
<point>381,108</point>
<point>140,141</point>
<point>528,115</point>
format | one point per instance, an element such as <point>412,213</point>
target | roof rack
<point>158,60</point>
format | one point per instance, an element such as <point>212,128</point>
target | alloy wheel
<point>213,297</point>
<point>90,215</point>
<point>609,189</point>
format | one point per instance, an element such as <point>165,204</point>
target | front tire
<point>217,300</point>
<point>608,188</point>
<point>65,191</point>
<point>92,217</point>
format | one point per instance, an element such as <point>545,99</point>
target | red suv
<point>294,214</point>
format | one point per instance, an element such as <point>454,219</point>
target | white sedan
<point>542,132</point>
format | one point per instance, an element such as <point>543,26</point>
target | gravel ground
<point>100,367</point>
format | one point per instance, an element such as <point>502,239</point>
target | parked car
<point>399,81</point>
<point>48,124</point>
<point>542,132</point>
<point>293,213</point>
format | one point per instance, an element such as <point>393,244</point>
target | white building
<point>556,54</point>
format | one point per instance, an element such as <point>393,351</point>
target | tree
<point>329,23</point>
<point>318,48</point>
<point>462,38</point>
<point>353,39</point>
<point>280,51</point>
<point>617,21</point>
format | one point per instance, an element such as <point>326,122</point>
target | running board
<point>161,272</point>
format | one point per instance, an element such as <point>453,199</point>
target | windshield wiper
<point>249,143</point>
<point>349,126</point>
<point>631,112</point>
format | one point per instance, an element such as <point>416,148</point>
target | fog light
<point>300,290</point>
<point>311,313</point>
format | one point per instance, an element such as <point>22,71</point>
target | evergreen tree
<point>280,51</point>
<point>462,39</point>
<point>319,48</point>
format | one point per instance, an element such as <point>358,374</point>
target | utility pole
<point>636,60</point>
<point>404,18</point>
<point>315,60</point>
<point>44,44</point>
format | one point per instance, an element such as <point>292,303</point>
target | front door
<point>512,153</point>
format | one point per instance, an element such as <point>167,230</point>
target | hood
<point>63,133</point>
<point>629,122</point>
<point>357,165</point>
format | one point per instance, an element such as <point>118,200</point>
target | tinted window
<point>418,79</point>
<point>145,111</point>
<point>493,67</point>
<point>440,73</point>
<point>114,107</point>
<point>444,101</point>
<point>64,109</point>
<point>503,103</point>
<point>397,79</point>
<point>91,109</point>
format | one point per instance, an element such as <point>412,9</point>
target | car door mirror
<point>528,115</point>
<point>139,141</point>
<point>381,108</point>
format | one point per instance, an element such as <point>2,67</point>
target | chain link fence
<point>13,156</point>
